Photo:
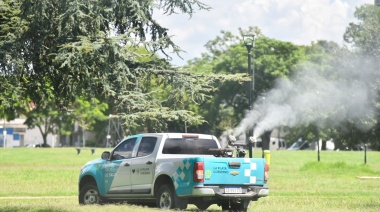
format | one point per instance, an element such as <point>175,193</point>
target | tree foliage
<point>59,50</point>
<point>364,35</point>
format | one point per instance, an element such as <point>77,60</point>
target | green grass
<point>35,179</point>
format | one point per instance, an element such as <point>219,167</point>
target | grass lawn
<point>34,179</point>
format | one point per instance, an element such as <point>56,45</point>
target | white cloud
<point>297,21</point>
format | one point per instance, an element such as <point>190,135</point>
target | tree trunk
<point>323,145</point>
<point>83,138</point>
<point>44,135</point>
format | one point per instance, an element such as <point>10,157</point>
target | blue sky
<point>297,21</point>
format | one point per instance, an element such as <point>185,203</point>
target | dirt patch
<point>367,177</point>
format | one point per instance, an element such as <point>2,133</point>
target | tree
<point>325,64</point>
<point>364,37</point>
<point>87,113</point>
<point>227,54</point>
<point>60,50</point>
<point>11,91</point>
<point>43,116</point>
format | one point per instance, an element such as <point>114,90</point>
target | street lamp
<point>248,41</point>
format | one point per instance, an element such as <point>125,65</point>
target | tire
<point>165,198</point>
<point>202,205</point>
<point>89,195</point>
<point>235,206</point>
<point>240,206</point>
<point>225,207</point>
<point>180,203</point>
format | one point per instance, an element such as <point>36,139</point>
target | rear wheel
<point>89,194</point>
<point>225,207</point>
<point>242,205</point>
<point>165,198</point>
<point>202,205</point>
<point>238,207</point>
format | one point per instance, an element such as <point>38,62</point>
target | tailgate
<point>234,171</point>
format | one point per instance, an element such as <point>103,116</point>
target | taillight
<point>198,172</point>
<point>266,170</point>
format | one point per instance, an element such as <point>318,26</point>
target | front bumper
<point>248,192</point>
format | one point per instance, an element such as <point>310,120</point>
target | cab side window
<point>125,149</point>
<point>146,147</point>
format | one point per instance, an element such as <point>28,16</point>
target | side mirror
<point>106,155</point>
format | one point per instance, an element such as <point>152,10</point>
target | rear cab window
<point>191,146</point>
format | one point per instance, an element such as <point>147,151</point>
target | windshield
<point>193,146</point>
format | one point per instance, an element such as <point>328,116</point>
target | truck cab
<point>173,170</point>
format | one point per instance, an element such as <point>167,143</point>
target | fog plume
<point>345,91</point>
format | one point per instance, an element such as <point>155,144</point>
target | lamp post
<point>318,146</point>
<point>319,152</point>
<point>108,131</point>
<point>248,41</point>
<point>5,135</point>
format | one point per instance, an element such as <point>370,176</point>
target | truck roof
<point>179,135</point>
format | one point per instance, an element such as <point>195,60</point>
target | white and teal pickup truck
<point>173,170</point>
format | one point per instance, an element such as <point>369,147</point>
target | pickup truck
<point>173,170</point>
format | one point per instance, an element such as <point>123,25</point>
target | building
<point>16,134</point>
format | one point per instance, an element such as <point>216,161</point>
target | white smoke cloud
<point>326,98</point>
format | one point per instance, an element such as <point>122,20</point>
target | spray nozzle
<point>231,139</point>
<point>252,139</point>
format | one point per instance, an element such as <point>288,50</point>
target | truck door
<point>142,169</point>
<point>118,170</point>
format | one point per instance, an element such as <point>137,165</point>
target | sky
<point>298,21</point>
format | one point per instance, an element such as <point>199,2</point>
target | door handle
<point>127,164</point>
<point>149,162</point>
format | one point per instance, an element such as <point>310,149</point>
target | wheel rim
<point>91,197</point>
<point>165,200</point>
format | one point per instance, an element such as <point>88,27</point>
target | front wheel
<point>89,194</point>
